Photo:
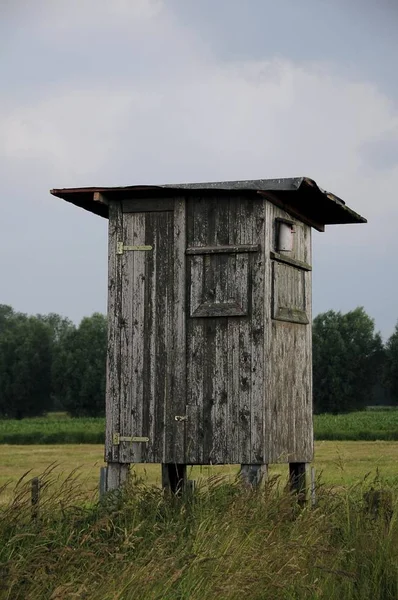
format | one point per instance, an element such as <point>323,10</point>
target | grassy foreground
<point>223,542</point>
<point>61,429</point>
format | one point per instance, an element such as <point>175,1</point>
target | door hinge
<point>117,438</point>
<point>120,248</point>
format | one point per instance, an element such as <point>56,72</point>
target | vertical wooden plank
<point>133,290</point>
<point>157,394</point>
<point>160,399</point>
<point>150,451</point>
<point>139,403</point>
<point>257,325</point>
<point>205,220</point>
<point>219,412</point>
<point>308,440</point>
<point>307,234</point>
<point>161,374</point>
<point>126,339</point>
<point>209,376</point>
<point>269,238</point>
<point>195,379</point>
<point>245,348</point>
<point>176,333</point>
<point>113,370</point>
<point>233,380</point>
<point>195,351</point>
<point>220,273</point>
<point>196,342</point>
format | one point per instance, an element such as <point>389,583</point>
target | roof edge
<point>311,198</point>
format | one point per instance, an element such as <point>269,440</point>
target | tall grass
<point>224,541</point>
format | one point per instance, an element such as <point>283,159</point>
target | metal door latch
<point>180,418</point>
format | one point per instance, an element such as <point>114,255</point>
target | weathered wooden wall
<point>288,344</point>
<point>209,351</point>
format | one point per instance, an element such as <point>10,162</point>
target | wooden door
<point>225,330</point>
<point>146,359</point>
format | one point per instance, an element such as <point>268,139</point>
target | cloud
<point>381,153</point>
<point>253,119</point>
<point>165,110</point>
<point>70,132</point>
<point>59,16</point>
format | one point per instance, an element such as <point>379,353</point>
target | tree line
<point>49,363</point>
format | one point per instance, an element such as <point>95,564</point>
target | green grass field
<point>54,429</point>
<point>337,463</point>
<point>225,541</point>
<point>369,425</point>
<point>60,429</point>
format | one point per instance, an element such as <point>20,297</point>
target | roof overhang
<point>300,196</point>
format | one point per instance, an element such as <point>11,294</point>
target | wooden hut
<point>209,309</point>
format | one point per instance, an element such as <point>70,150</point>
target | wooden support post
<point>116,476</point>
<point>102,482</point>
<point>174,477</point>
<point>253,475</point>
<point>35,497</point>
<point>298,481</point>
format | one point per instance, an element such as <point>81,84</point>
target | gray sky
<point>121,92</point>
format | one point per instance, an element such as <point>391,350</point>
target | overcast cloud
<point>123,92</point>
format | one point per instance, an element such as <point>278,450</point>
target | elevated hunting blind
<point>209,309</point>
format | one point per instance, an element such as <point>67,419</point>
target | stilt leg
<point>298,480</point>
<point>174,477</point>
<point>253,475</point>
<point>116,476</point>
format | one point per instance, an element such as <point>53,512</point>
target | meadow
<point>58,428</point>
<point>338,464</point>
<point>223,541</point>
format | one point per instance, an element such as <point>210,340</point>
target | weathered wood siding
<point>113,368</point>
<point>209,352</point>
<point>288,345</point>
<point>225,330</point>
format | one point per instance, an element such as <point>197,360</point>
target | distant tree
<point>25,365</point>
<point>79,367</point>
<point>6,313</point>
<point>60,327</point>
<point>391,365</point>
<point>347,360</point>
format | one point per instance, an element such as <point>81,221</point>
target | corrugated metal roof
<point>299,194</point>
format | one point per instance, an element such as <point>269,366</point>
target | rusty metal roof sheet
<point>298,194</point>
